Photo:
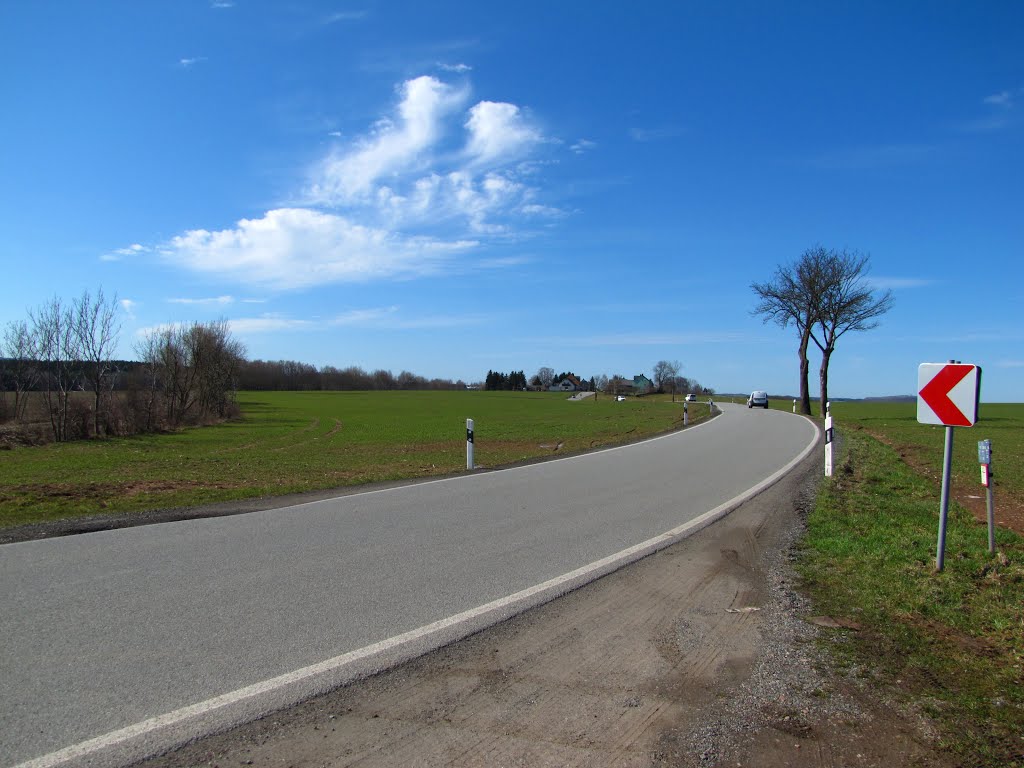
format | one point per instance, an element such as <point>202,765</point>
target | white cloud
<point>427,183</point>
<point>344,16</point>
<point>295,248</point>
<point>215,301</point>
<point>191,62</point>
<point>645,135</point>
<point>647,339</point>
<point>1001,99</point>
<point>411,171</point>
<point>222,4</point>
<point>498,131</point>
<point>390,318</point>
<point>129,306</point>
<point>1010,364</point>
<point>132,250</point>
<point>267,324</point>
<point>362,317</point>
<point>395,147</point>
<point>583,145</point>
<point>457,68</point>
<point>543,210</point>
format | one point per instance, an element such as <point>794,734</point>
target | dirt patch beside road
<point>699,655</point>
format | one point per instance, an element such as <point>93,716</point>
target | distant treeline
<point>59,380</point>
<point>289,375</point>
<point>514,380</point>
<point>263,375</point>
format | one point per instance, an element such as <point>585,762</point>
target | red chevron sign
<point>948,394</point>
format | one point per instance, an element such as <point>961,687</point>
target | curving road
<point>120,643</point>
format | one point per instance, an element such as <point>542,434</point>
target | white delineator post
<point>469,443</point>
<point>794,406</point>
<point>985,457</point>
<point>686,415</point>
<point>828,439</point>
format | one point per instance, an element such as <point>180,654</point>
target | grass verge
<point>951,642</point>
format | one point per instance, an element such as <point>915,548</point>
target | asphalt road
<point>118,643</point>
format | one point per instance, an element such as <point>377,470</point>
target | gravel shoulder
<point>703,654</point>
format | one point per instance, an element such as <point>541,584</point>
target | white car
<point>691,398</point>
<point>758,398</point>
<point>620,398</point>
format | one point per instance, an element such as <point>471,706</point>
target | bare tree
<point>54,328</point>
<point>665,374</point>
<point>846,303</point>
<point>216,358</point>
<point>792,297</point>
<point>193,369</point>
<point>546,376</point>
<point>21,351</point>
<point>149,351</point>
<point>824,295</point>
<point>96,335</point>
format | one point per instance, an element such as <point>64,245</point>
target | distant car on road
<point>620,398</point>
<point>691,398</point>
<point>758,398</point>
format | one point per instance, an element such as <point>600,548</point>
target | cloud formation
<point>132,250</point>
<point>1001,99</point>
<point>396,146</point>
<point>291,248</point>
<point>434,164</point>
<point>427,183</point>
<point>498,131</point>
<point>212,301</point>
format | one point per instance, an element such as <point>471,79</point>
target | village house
<point>569,384</point>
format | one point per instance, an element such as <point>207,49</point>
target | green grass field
<point>952,643</point>
<point>290,442</point>
<point>896,423</point>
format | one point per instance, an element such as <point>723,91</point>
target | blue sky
<point>448,188</point>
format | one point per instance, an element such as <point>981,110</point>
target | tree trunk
<point>823,378</point>
<point>805,395</point>
<point>96,407</point>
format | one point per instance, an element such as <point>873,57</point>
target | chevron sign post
<point>947,394</point>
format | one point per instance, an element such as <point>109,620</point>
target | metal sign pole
<point>990,504</point>
<point>947,461</point>
<point>991,518</point>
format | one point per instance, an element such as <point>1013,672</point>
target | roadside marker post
<point>686,415</point>
<point>794,406</point>
<point>828,438</point>
<point>947,394</point>
<point>469,443</point>
<point>985,459</point>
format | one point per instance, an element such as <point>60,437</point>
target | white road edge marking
<point>473,620</point>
